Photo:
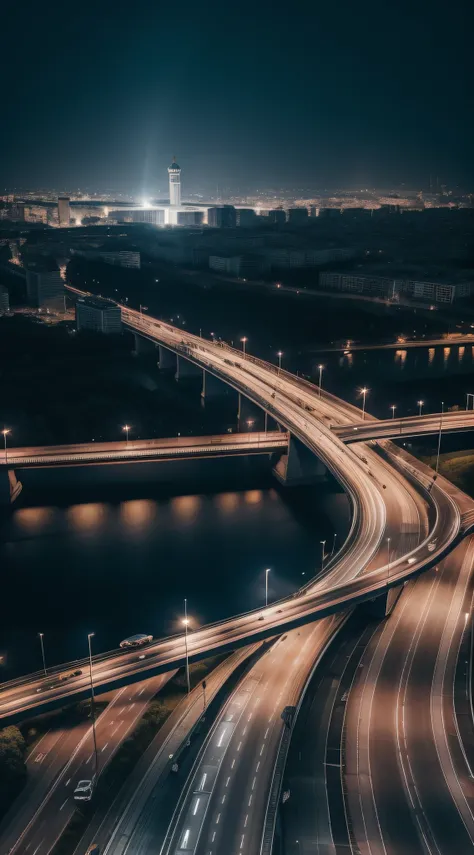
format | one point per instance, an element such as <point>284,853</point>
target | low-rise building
<point>98,315</point>
<point>45,289</point>
<point>392,288</point>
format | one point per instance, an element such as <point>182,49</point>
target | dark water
<point>115,566</point>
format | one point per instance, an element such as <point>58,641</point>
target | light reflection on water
<point>118,567</point>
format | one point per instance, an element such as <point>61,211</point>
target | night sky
<point>248,95</point>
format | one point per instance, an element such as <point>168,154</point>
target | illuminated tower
<point>174,172</point>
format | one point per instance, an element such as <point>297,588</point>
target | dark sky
<point>246,94</point>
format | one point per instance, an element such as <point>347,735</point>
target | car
<point>84,790</point>
<point>432,545</point>
<point>411,560</point>
<point>261,617</point>
<point>136,640</point>
<point>142,656</point>
<point>279,611</point>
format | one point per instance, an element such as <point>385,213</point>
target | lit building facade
<point>174,172</point>
<point>64,210</point>
<point>98,315</point>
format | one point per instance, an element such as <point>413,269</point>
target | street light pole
<point>91,635</point>
<point>393,408</point>
<point>126,428</point>
<point>40,634</point>
<point>323,544</point>
<point>439,436</point>
<point>279,354</point>
<point>333,544</point>
<point>5,432</point>
<point>364,393</point>
<point>244,340</point>
<point>186,621</point>
<point>320,377</point>
<point>267,571</point>
<point>420,407</point>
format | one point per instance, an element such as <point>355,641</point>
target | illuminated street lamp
<point>89,636</point>
<point>126,428</point>
<point>267,571</point>
<point>439,437</point>
<point>249,424</point>
<point>333,544</point>
<point>420,407</point>
<point>320,377</point>
<point>186,623</point>
<point>40,636</point>
<point>393,407</point>
<point>244,340</point>
<point>5,432</point>
<point>363,393</point>
<point>279,354</point>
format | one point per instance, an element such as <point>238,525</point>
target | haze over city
<point>251,96</point>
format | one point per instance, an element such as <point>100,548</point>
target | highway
<point>143,450</point>
<point>382,763</point>
<point>43,810</point>
<point>227,796</point>
<point>300,408</point>
<point>450,422</point>
<point>409,783</point>
<point>385,491</point>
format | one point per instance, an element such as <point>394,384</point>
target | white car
<point>432,546</point>
<point>84,790</point>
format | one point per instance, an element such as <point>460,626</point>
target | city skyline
<point>311,102</point>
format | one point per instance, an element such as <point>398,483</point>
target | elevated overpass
<point>137,451</point>
<point>361,570</point>
<point>452,422</point>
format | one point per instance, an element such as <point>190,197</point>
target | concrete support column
<point>185,368</point>
<point>167,359</point>
<point>383,605</point>
<point>143,345</point>
<point>212,387</point>
<point>10,486</point>
<point>300,466</point>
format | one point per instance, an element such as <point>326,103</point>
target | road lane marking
<point>261,750</point>
<point>227,782</point>
<point>253,782</point>
<point>233,763</point>
<point>67,782</point>
<point>258,764</point>
<point>213,837</point>
<point>242,841</point>
<point>218,818</point>
<point>196,807</point>
<point>64,803</point>
<point>238,747</point>
<point>39,844</point>
<point>246,820</point>
<point>89,759</point>
<point>223,799</point>
<point>141,693</point>
<point>103,749</point>
<point>266,733</point>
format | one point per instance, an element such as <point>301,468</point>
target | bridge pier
<point>300,466</point>
<point>185,368</point>
<point>166,359</point>
<point>212,387</point>
<point>383,605</point>
<point>143,345</point>
<point>10,487</point>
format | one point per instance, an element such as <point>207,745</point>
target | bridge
<point>450,422</point>
<point>402,344</point>
<point>138,451</point>
<point>363,569</point>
